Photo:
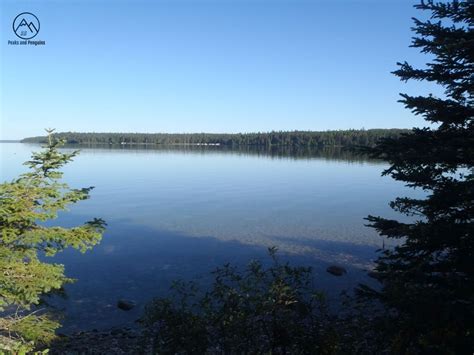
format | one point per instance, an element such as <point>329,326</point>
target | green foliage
<point>35,197</point>
<point>288,139</point>
<point>258,310</point>
<point>428,280</point>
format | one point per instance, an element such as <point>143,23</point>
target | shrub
<point>257,310</point>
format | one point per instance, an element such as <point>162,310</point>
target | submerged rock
<point>336,270</point>
<point>374,275</point>
<point>125,305</point>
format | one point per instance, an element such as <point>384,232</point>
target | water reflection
<point>282,152</point>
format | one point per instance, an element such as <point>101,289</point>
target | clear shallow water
<point>180,212</point>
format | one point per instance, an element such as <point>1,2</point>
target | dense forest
<point>294,138</point>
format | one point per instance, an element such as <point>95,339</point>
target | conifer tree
<point>428,279</point>
<point>25,204</point>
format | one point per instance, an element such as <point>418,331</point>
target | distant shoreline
<point>126,143</point>
<point>350,137</point>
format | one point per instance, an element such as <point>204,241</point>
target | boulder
<point>336,270</point>
<point>125,305</point>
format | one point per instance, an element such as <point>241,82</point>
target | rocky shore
<point>113,341</point>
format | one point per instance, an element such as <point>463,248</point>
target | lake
<point>180,212</point>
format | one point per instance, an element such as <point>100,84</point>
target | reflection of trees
<point>329,153</point>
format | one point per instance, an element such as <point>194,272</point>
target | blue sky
<point>207,66</point>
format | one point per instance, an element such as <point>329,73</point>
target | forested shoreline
<point>281,138</point>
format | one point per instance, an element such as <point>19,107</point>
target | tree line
<point>288,138</point>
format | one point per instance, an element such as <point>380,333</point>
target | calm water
<point>178,213</point>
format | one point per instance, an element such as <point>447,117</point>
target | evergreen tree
<point>428,279</point>
<point>25,203</point>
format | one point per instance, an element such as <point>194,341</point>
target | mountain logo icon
<point>26,25</point>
